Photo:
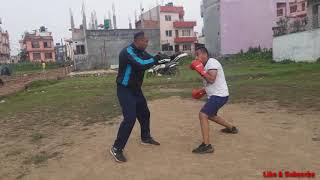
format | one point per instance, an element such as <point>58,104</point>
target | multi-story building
<point>38,45</point>
<point>4,46</point>
<point>176,34</point>
<point>234,26</point>
<point>291,16</point>
<point>301,46</point>
<point>291,8</point>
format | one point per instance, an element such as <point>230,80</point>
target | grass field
<point>251,78</point>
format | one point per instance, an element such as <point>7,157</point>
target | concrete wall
<point>104,47</point>
<point>148,24</point>
<point>211,19</point>
<point>152,14</point>
<point>246,23</point>
<point>78,35</point>
<point>303,46</point>
<point>81,63</point>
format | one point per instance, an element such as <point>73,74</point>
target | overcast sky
<point>19,16</point>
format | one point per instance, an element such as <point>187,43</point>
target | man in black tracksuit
<point>133,61</point>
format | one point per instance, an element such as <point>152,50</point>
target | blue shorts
<point>214,103</point>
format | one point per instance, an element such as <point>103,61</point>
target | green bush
<point>42,83</point>
<point>186,60</point>
<point>287,61</point>
<point>253,54</point>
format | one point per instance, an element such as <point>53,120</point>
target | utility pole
<point>141,9</point>
<point>114,16</point>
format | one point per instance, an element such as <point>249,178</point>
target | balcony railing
<point>184,24</point>
<point>185,39</point>
<point>298,14</point>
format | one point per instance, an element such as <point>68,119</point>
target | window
<point>177,47</point>
<point>80,49</point>
<point>48,55</point>
<point>167,17</point>
<point>281,5</point>
<point>35,44</point>
<point>187,47</point>
<point>280,12</point>
<point>37,56</point>
<point>303,6</point>
<point>186,32</point>
<point>169,33</point>
<point>281,9</point>
<point>46,44</point>
<point>167,47</point>
<point>293,8</point>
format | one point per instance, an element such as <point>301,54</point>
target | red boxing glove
<point>198,66</point>
<point>198,93</point>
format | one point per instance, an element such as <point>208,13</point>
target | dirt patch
<point>270,139</point>
<point>17,83</point>
<point>170,90</point>
<point>92,73</point>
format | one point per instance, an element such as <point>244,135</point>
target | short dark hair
<point>202,49</point>
<point>138,35</point>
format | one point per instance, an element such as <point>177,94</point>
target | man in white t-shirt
<point>215,86</point>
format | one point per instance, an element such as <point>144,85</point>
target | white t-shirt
<point>219,87</point>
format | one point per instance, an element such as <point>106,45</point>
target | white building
<point>176,34</point>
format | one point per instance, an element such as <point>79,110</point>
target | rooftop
<point>172,9</point>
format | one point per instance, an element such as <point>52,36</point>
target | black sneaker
<point>203,149</point>
<point>149,141</point>
<point>233,130</point>
<point>118,155</point>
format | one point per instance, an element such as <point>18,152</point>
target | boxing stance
<point>133,62</point>
<point>215,86</point>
